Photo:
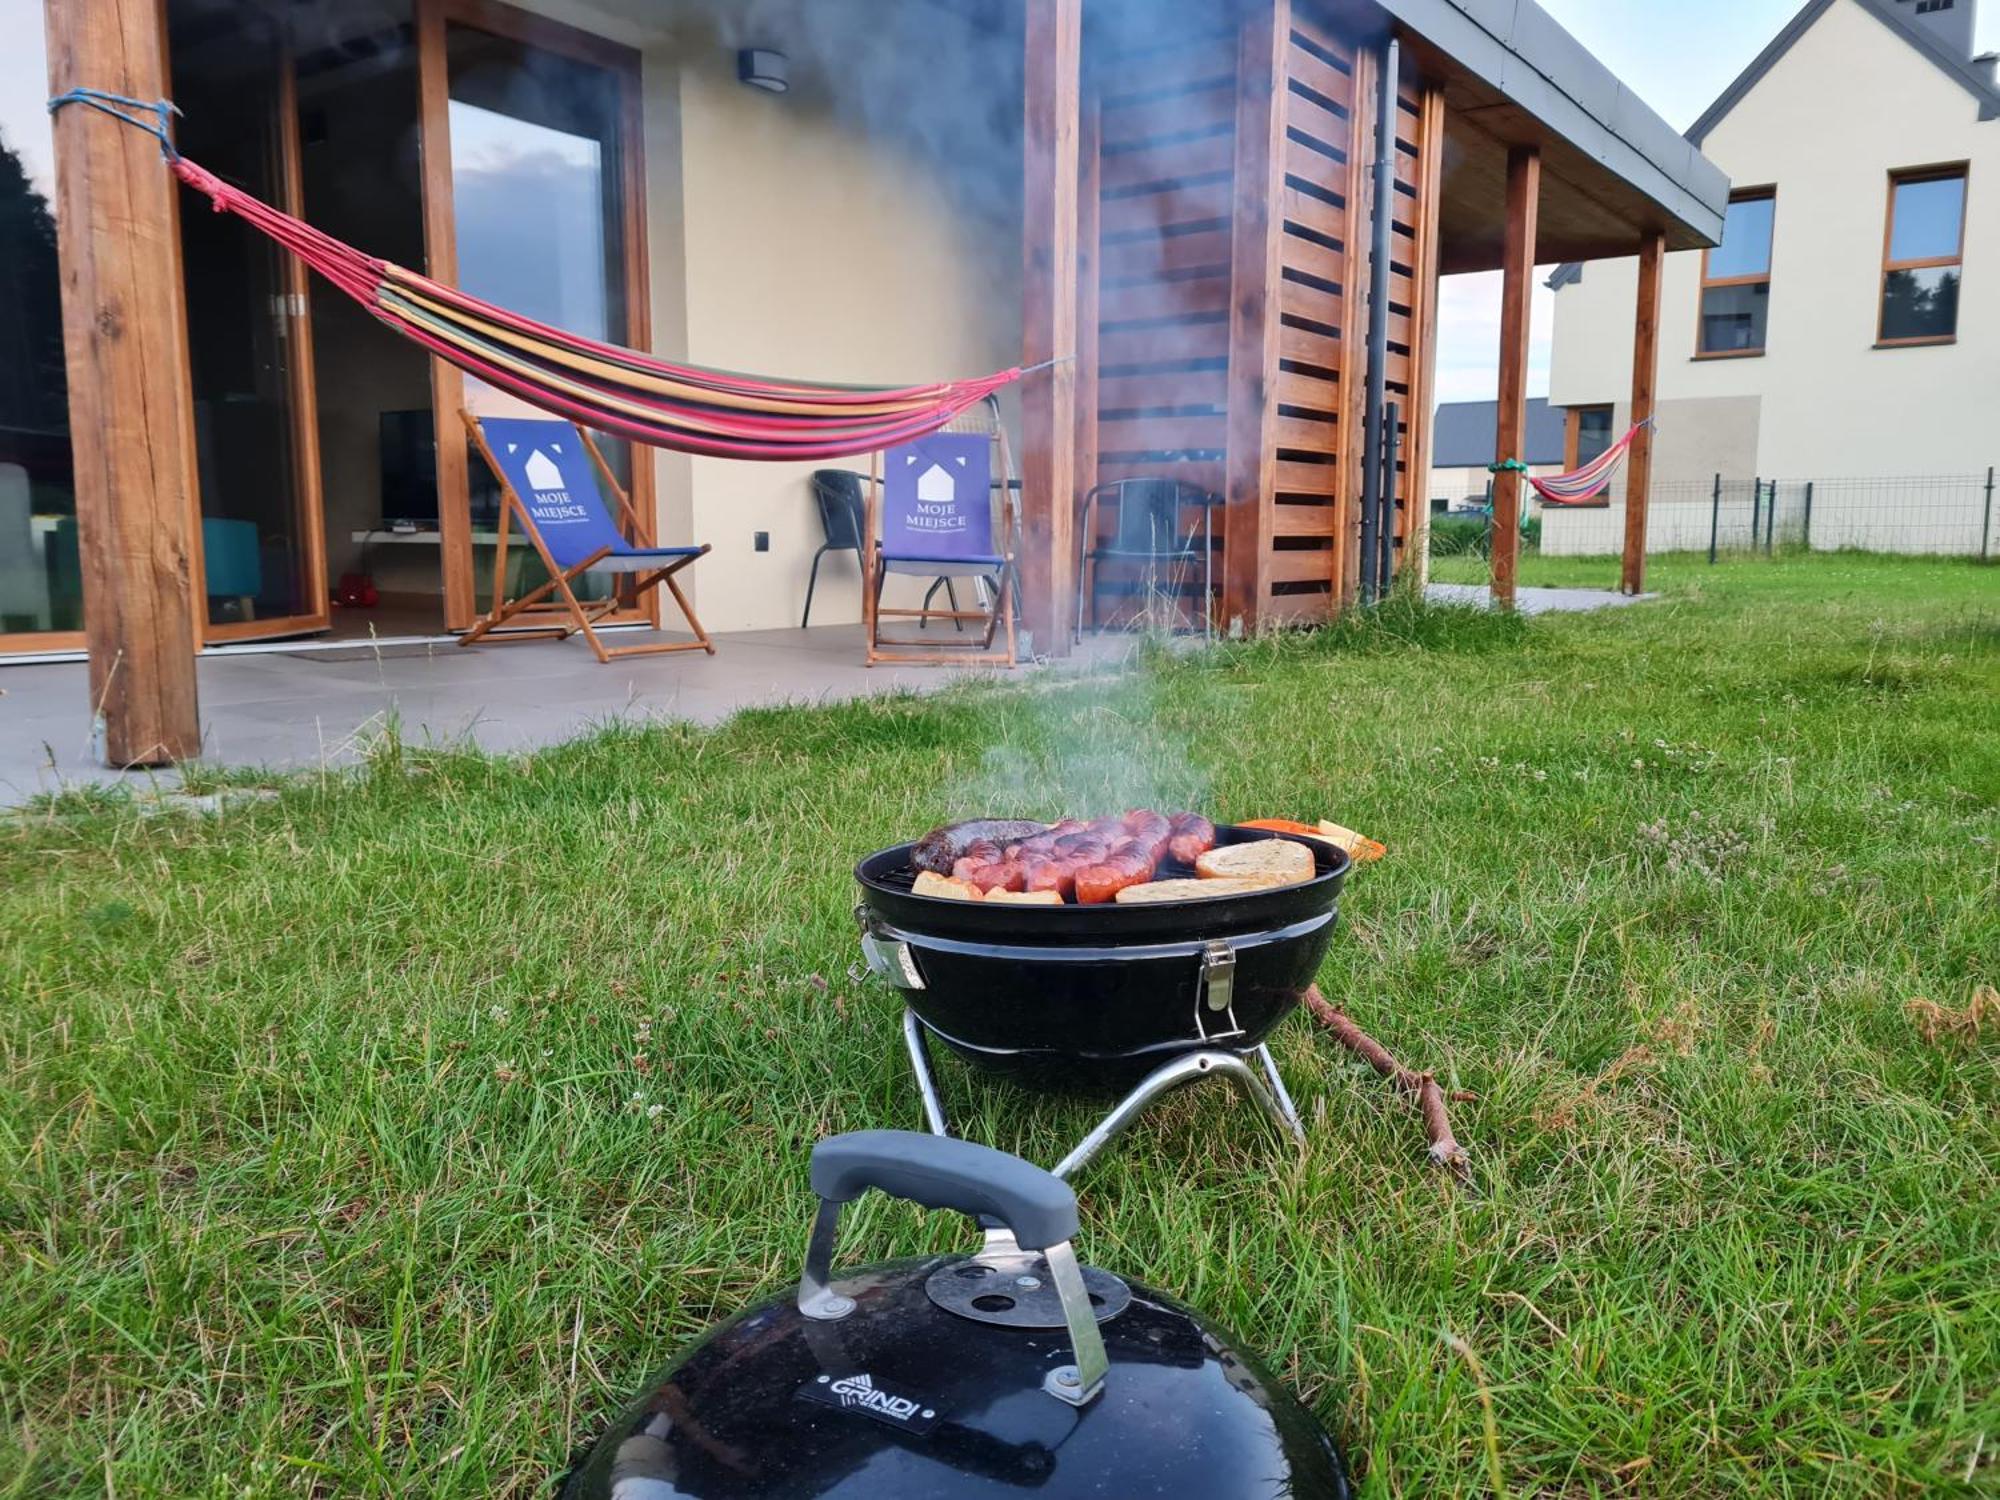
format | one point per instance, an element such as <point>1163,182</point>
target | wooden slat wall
<point>1166,111</point>
<point>1320,353</point>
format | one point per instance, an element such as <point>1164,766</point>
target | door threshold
<point>289,646</point>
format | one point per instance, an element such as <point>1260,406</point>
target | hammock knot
<point>1507,466</point>
<point>162,110</point>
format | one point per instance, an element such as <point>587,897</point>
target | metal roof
<point>1462,434</point>
<point>1516,49</point>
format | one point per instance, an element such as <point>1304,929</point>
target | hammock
<point>687,408</point>
<point>1579,486</point>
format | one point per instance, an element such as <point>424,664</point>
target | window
<point>1588,435</point>
<point>1921,248</point>
<point>1736,279</point>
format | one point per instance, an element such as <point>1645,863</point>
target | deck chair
<point>549,472</point>
<point>934,511</point>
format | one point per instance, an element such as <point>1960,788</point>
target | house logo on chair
<point>552,503</point>
<point>937,496</point>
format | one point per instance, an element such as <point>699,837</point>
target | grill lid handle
<point>942,1172</point>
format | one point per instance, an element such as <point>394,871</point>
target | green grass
<point>379,1139</point>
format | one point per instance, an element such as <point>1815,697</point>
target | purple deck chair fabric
<point>550,470</point>
<point>937,506</point>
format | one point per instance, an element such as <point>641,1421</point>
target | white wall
<point>1848,104</point>
<point>862,227</point>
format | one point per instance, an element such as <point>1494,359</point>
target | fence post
<point>1756,511</point>
<point>1808,536</point>
<point>1771,521</point>
<point>1986,526</point>
<point>1714,520</point>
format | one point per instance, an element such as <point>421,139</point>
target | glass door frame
<point>303,391</point>
<point>441,256</point>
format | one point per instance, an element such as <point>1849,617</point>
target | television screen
<point>408,445</point>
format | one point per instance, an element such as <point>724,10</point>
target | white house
<point>1848,325</point>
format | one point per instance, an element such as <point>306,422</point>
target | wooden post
<point>131,409</point>
<point>1050,105</point>
<point>1250,465</point>
<point>1645,368</point>
<point>1524,186</point>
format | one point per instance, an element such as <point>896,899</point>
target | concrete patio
<point>320,703</point>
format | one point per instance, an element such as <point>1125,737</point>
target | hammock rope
<point>1580,485</point>
<point>657,402</point>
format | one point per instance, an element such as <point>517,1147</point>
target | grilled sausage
<point>1192,836</point>
<point>943,847</point>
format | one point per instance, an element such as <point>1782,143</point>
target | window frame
<point>1739,195</point>
<point>1573,431</point>
<point>1898,176</point>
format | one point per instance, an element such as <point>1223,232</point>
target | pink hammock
<point>1579,486</point>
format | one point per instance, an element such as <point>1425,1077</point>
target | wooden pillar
<point>1524,187</point>
<point>1645,368</point>
<point>1250,464</point>
<point>130,405</point>
<point>1051,103</point>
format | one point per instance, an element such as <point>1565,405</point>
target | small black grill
<point>1138,997</point>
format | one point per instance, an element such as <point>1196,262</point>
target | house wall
<point>1849,103</point>
<point>864,226</point>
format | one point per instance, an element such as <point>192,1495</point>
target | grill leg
<point>1187,1068</point>
<point>920,1064</point>
<point>1287,1113</point>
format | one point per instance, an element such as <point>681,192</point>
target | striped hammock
<point>638,396</point>
<point>1579,486</point>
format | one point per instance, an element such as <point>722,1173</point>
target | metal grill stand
<point>1267,1091</point>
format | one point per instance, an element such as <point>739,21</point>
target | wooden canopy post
<point>1645,368</point>
<point>1250,464</point>
<point>131,410</point>
<point>1051,106</point>
<point>1524,191</point>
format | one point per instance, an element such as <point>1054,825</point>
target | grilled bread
<point>1197,890</point>
<point>1286,861</point>
<point>1024,898</point>
<point>929,883</point>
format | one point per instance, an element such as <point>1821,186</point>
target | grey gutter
<point>1516,49</point>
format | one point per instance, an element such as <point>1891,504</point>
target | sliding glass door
<point>531,182</point>
<point>263,562</point>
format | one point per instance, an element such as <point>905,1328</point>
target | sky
<point>1679,69</point>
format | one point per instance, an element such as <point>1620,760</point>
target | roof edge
<point>1959,70</point>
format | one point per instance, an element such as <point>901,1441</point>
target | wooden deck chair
<point>942,507</point>
<point>549,472</point>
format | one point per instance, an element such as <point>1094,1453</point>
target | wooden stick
<point>1423,1087</point>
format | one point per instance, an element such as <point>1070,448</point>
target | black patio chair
<point>1146,529</point>
<point>838,494</point>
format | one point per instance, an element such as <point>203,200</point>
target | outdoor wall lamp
<point>762,69</point>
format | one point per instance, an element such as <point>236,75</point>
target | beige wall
<point>862,227</point>
<point>1849,103</point>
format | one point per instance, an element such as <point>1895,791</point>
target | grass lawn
<point>382,1137</point>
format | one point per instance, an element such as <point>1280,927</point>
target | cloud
<point>1468,351</point>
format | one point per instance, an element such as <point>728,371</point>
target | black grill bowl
<point>1095,997</point>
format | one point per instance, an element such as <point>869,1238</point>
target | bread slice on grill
<point>1024,898</point>
<point>1289,862</point>
<point>949,888</point>
<point>1197,890</point>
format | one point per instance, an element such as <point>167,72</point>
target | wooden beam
<point>1645,370</point>
<point>1050,110</point>
<point>1524,188</point>
<point>131,407</point>
<point>1250,464</point>
<point>1358,191</point>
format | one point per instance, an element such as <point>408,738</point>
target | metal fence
<point>1944,515</point>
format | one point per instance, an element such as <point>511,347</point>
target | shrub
<point>1458,536</point>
